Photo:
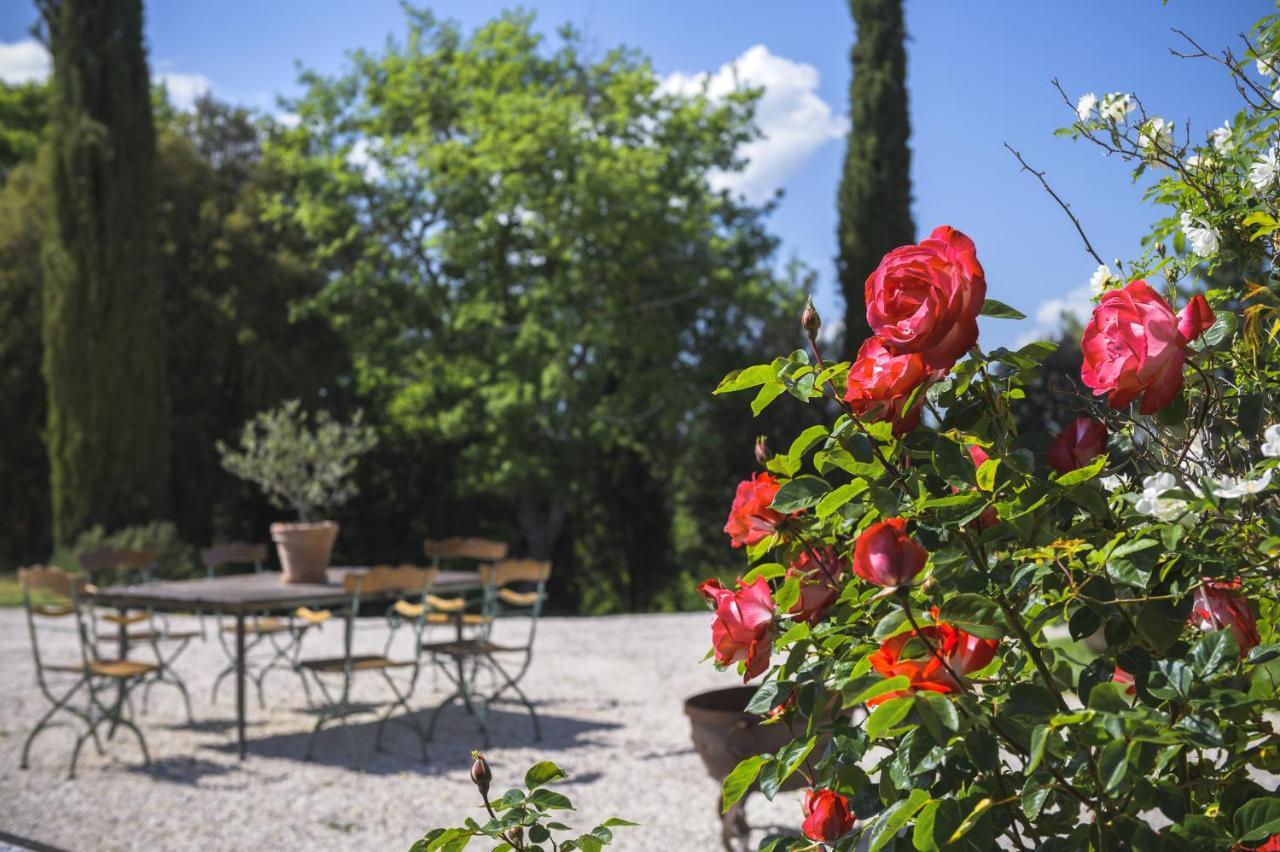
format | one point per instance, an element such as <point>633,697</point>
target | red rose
<point>818,583</point>
<point>1125,680</point>
<point>1077,445</point>
<point>1272,844</point>
<point>1135,345</point>
<point>826,816</point>
<point>988,518</point>
<point>1219,605</point>
<point>742,630</point>
<point>880,382</point>
<point>886,556</point>
<point>926,298</point>
<point>751,519</point>
<point>963,653</point>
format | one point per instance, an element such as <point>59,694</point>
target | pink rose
<point>818,583</point>
<point>1135,345</point>
<point>1219,605</point>
<point>886,556</point>
<point>926,298</point>
<point>1077,445</point>
<point>1125,680</point>
<point>742,630</point>
<point>879,383</point>
<point>751,519</point>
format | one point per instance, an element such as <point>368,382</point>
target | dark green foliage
<point>104,331</point>
<point>24,468</point>
<point>175,558</point>
<point>24,109</point>
<point>1055,397</point>
<point>875,190</point>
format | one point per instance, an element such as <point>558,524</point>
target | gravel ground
<point>608,691</point>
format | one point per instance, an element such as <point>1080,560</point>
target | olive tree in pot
<point>305,464</point>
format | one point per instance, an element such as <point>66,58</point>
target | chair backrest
<point>60,584</point>
<point>233,553</point>
<point>120,560</point>
<point>510,571</point>
<point>389,578</point>
<point>477,549</point>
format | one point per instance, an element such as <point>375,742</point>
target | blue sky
<point>979,75</point>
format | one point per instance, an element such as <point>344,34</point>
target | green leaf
<point>787,595</point>
<point>1160,624</point>
<point>986,475</point>
<point>935,823</point>
<point>880,687</point>
<point>1214,653</point>
<point>894,817</point>
<point>887,715</point>
<point>999,310</point>
<point>805,441</point>
<point>548,799</point>
<point>768,393</point>
<point>938,715</point>
<point>748,378</point>
<point>800,493</point>
<point>768,570</point>
<point>792,755</point>
<point>837,497</point>
<point>1113,764</point>
<point>739,781</point>
<point>1257,819</point>
<point>1082,474</point>
<point>543,773</point>
<point>1034,795</point>
<point>974,613</point>
<point>1039,740</point>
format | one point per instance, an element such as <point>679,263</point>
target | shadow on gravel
<point>456,735</point>
<point>186,770</point>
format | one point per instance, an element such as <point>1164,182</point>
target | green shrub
<point>175,558</point>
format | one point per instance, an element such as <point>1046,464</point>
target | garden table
<point>241,595</point>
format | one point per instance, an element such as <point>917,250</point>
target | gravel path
<point>608,690</point>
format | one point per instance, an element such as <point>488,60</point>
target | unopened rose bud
<point>1160,249</point>
<point>809,320</point>
<point>481,775</point>
<point>763,453</point>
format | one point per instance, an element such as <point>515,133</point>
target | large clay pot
<point>304,550</point>
<point>723,735</point>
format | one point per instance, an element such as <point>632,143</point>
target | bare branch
<point>1066,208</point>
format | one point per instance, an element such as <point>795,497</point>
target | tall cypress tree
<point>104,333</point>
<point>875,189</point>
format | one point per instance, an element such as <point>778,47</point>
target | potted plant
<point>304,464</point>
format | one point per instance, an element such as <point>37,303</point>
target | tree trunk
<point>542,520</point>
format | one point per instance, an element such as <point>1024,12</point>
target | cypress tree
<point>104,334</point>
<point>875,190</point>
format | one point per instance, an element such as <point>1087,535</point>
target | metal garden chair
<point>62,682</point>
<point>283,635</point>
<point>513,588</point>
<point>410,585</point>
<point>125,565</point>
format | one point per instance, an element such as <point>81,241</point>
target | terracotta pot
<point>304,550</point>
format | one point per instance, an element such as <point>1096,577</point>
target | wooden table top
<point>253,592</point>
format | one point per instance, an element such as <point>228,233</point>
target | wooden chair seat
<point>470,618</point>
<point>336,665</point>
<point>114,618</point>
<point>118,669</point>
<point>149,635</point>
<point>260,627</point>
<point>313,616</point>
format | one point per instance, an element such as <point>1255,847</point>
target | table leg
<point>240,681</point>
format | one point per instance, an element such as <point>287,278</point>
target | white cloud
<point>793,119</point>
<point>183,89</point>
<point>28,61</point>
<point>23,61</point>
<point>1048,316</point>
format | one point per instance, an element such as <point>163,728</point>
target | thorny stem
<point>1066,208</point>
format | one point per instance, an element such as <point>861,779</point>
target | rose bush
<point>1056,641</point>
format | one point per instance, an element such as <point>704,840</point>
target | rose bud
<point>886,556</point>
<point>1077,445</point>
<point>826,816</point>
<point>481,775</point>
<point>809,320</point>
<point>763,453</point>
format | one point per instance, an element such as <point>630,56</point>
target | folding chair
<point>283,635</point>
<point>126,565</point>
<point>90,673</point>
<point>409,585</point>
<point>513,588</point>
